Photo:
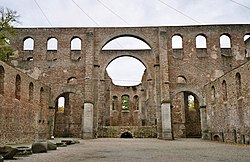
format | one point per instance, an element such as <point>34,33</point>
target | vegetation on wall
<point>7,19</point>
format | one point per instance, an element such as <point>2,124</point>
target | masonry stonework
<point>25,110</point>
<point>159,105</point>
<point>228,109</point>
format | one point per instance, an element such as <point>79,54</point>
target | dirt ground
<point>143,150</point>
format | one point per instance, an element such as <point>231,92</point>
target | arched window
<point>114,102</point>
<point>201,41</point>
<point>224,90</point>
<point>238,85</point>
<point>2,73</point>
<point>213,93</point>
<point>181,79</point>
<point>52,44</point>
<point>31,91</point>
<point>72,80</point>
<point>30,59</point>
<point>61,104</point>
<point>247,44</point>
<point>41,96</point>
<point>75,44</point>
<point>191,103</point>
<point>136,102</point>
<point>246,38</point>
<point>225,41</point>
<point>177,42</point>
<point>125,102</point>
<point>18,87</point>
<point>28,44</point>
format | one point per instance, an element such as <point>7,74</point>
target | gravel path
<point>144,150</point>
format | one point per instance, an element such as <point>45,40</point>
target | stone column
<point>204,126</point>
<point>166,121</point>
<point>88,120</point>
<point>88,107</point>
<point>164,87</point>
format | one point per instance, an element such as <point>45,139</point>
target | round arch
<point>106,64</point>
<point>194,92</point>
<point>123,63</point>
<point>57,94</point>
<point>125,35</point>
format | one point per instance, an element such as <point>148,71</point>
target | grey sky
<point>134,12</point>
<point>129,13</point>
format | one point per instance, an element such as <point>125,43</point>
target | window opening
<point>136,102</point>
<point>125,102</point>
<point>224,90</point>
<point>52,44</point>
<point>191,103</point>
<point>31,91</point>
<point>114,102</point>
<point>225,41</point>
<point>30,59</point>
<point>247,44</point>
<point>246,38</point>
<point>75,44</point>
<point>181,79</point>
<point>61,104</point>
<point>213,93</point>
<point>2,73</point>
<point>177,42</point>
<point>72,80</point>
<point>238,85</point>
<point>28,44</point>
<point>18,87</point>
<point>201,41</point>
<point>41,96</point>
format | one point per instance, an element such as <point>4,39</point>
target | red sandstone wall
<point>198,66</point>
<point>23,120</point>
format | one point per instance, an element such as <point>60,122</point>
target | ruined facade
<point>228,108</point>
<point>24,107</point>
<point>159,106</point>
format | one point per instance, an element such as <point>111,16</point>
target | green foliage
<point>61,109</point>
<point>7,19</point>
<point>125,102</point>
<point>191,105</point>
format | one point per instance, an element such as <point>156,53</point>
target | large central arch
<point>137,117</point>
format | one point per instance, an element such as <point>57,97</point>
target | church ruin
<point>197,88</point>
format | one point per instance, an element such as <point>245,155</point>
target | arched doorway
<point>186,115</point>
<point>67,122</point>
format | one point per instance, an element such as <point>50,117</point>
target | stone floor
<point>144,150</point>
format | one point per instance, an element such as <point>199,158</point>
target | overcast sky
<point>92,13</point>
<point>129,12</point>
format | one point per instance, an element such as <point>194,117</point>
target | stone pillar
<point>87,121</point>
<point>89,88</point>
<point>166,121</point>
<point>204,126</point>
<point>165,107</point>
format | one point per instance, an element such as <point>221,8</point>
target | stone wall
<point>24,107</point>
<point>228,110</point>
<point>135,131</point>
<point>169,70</point>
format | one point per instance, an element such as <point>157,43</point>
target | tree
<point>7,19</point>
